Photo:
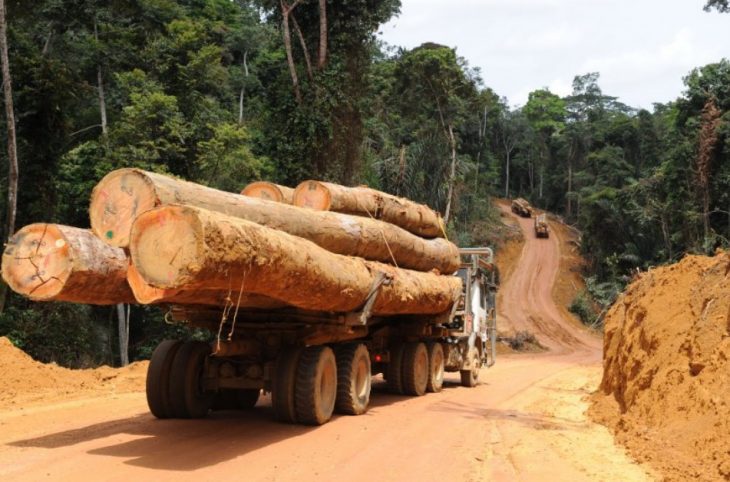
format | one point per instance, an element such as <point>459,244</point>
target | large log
<point>269,191</point>
<point>125,193</point>
<point>363,201</point>
<point>52,262</point>
<point>235,297</point>
<point>185,247</point>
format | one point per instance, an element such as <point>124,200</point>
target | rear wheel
<point>394,372</point>
<point>282,392</point>
<point>435,367</point>
<point>316,385</point>
<point>415,369</point>
<point>158,378</point>
<point>470,378</point>
<point>188,399</point>
<point>353,379</point>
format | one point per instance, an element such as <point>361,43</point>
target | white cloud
<point>641,48</point>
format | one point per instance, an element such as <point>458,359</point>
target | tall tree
<point>12,149</point>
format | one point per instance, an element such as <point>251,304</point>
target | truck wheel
<point>415,369</point>
<point>353,379</point>
<point>316,385</point>
<point>282,391</point>
<point>470,378</point>
<point>394,371</point>
<point>435,367</point>
<point>187,397</point>
<point>158,378</point>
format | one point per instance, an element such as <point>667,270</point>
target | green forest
<point>223,92</point>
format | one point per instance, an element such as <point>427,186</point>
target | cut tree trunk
<point>51,262</point>
<point>186,247</point>
<point>269,191</point>
<point>417,218</point>
<point>124,194</point>
<point>147,294</point>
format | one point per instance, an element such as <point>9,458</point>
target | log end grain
<point>116,201</point>
<point>36,262</point>
<point>166,245</point>
<point>269,191</point>
<point>313,195</point>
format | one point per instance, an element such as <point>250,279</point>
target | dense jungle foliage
<point>223,92</point>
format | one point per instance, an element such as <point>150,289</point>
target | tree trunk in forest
<point>185,247</point>
<point>243,88</point>
<point>126,193</point>
<point>322,34</point>
<point>52,262</point>
<point>452,176</point>
<point>417,218</point>
<point>506,177</point>
<point>570,190</point>
<point>269,191</point>
<point>305,50</point>
<point>12,149</point>
<point>708,138</point>
<point>100,84</point>
<point>123,330</point>
<point>285,11</point>
<point>542,176</point>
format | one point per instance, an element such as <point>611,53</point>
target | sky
<point>641,48</point>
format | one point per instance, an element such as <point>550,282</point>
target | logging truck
<point>315,363</point>
<point>308,291</point>
<point>521,207</point>
<point>541,226</point>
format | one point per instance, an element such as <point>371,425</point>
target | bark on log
<point>269,191</point>
<point>186,247</point>
<point>362,201</point>
<point>147,295</point>
<point>52,262</point>
<point>126,193</point>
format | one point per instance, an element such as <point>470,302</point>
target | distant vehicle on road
<point>521,207</point>
<point>541,226</point>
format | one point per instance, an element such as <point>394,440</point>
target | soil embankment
<point>666,386</point>
<point>25,382</point>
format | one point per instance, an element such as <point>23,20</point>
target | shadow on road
<point>185,445</point>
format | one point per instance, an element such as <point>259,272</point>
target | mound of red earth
<point>666,383</point>
<point>24,381</point>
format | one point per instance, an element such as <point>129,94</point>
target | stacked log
<point>269,191</point>
<point>52,262</point>
<point>363,201</point>
<point>156,239</point>
<point>186,247</point>
<point>124,194</point>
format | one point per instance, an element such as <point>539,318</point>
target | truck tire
<point>470,378</point>
<point>435,367</point>
<point>236,399</point>
<point>415,369</point>
<point>394,371</point>
<point>353,379</point>
<point>282,391</point>
<point>316,385</point>
<point>158,378</point>
<point>187,397</point>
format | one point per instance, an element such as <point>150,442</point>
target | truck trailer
<point>315,363</point>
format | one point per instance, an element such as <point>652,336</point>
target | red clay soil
<point>666,385</point>
<point>24,381</point>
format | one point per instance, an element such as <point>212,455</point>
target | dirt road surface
<point>525,421</point>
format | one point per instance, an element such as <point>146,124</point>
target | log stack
<point>320,248</point>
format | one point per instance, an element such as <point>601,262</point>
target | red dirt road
<point>525,421</point>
